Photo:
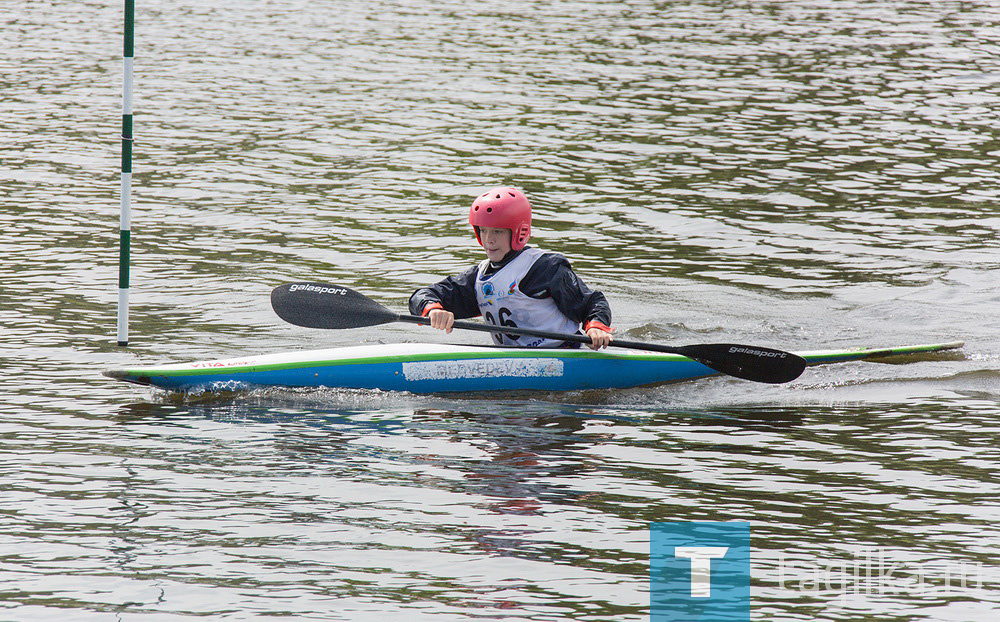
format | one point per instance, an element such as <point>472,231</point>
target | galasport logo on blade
<point>316,289</point>
<point>760,353</point>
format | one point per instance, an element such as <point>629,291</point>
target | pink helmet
<point>503,208</point>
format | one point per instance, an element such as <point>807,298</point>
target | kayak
<point>439,368</point>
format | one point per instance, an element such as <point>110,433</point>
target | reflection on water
<point>796,174</point>
<point>521,480</point>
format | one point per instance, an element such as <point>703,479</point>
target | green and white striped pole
<point>125,228</point>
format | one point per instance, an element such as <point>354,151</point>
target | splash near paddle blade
<point>322,305</point>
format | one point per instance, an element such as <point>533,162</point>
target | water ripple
<point>802,174</point>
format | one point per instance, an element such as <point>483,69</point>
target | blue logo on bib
<point>487,289</point>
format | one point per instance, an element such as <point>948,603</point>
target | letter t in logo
<point>700,571</point>
<point>701,567</point>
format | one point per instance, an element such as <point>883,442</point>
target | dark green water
<point>801,174</point>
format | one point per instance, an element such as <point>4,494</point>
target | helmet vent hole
<point>512,194</point>
<point>498,196</point>
<point>489,210</point>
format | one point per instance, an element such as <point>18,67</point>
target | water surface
<point>800,175</point>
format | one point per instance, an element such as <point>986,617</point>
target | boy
<point>516,285</point>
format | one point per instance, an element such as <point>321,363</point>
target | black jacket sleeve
<point>552,275</point>
<point>455,293</point>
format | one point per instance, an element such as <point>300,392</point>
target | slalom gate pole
<point>125,228</point>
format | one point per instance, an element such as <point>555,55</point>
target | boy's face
<point>496,242</point>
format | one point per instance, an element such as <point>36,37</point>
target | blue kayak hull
<point>435,368</point>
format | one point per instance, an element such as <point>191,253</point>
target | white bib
<point>502,303</point>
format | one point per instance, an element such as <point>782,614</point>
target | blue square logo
<point>699,572</point>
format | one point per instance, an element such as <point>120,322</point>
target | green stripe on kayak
<point>374,360</point>
<point>832,356</point>
<point>816,357</point>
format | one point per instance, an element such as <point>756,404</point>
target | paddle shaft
<point>321,305</point>
<point>512,330</point>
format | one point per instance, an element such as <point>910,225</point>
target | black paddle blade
<point>321,305</point>
<point>747,362</point>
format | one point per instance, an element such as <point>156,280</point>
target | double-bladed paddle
<point>321,305</point>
